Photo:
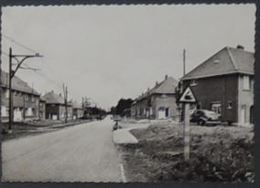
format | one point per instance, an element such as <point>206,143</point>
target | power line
<point>18,43</point>
<point>54,82</point>
<point>39,73</point>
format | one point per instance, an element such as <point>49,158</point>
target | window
<point>163,95</point>
<point>193,83</point>
<point>246,83</point>
<point>4,111</point>
<point>7,93</point>
<point>33,99</point>
<point>26,97</point>
<point>216,107</point>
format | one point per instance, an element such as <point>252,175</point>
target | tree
<point>123,105</point>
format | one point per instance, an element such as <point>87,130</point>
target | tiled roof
<point>53,98</point>
<point>167,86</point>
<point>227,61</point>
<point>17,84</point>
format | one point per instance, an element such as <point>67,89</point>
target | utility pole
<point>65,91</point>
<point>184,62</point>
<point>11,75</point>
<point>10,91</point>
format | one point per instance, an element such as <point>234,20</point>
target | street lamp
<point>20,59</point>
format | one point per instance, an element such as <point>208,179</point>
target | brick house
<point>25,99</point>
<point>224,83</point>
<point>158,102</point>
<point>42,108</point>
<point>55,106</point>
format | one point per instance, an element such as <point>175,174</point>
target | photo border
<point>148,2</point>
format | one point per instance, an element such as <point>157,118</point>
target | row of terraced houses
<point>28,104</point>
<point>223,83</point>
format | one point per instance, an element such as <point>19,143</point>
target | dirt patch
<point>218,154</point>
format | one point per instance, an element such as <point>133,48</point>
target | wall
<point>246,100</point>
<point>42,110</point>
<point>167,101</point>
<point>222,89</point>
<point>24,104</point>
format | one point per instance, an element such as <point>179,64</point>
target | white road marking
<point>122,171</point>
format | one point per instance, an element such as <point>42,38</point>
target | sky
<point>110,52</point>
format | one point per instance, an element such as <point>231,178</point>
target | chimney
<point>166,77</point>
<point>156,83</point>
<point>240,47</point>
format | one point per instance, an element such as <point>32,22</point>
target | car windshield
<point>210,113</point>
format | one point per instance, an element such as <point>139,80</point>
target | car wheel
<point>202,122</point>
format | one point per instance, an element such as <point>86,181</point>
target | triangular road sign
<point>187,96</point>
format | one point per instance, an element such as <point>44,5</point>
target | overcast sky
<point>109,52</point>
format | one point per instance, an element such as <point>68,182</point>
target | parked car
<point>203,117</point>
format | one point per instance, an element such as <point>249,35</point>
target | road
<point>83,153</point>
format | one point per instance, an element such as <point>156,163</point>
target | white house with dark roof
<point>225,83</point>
<point>25,99</point>
<point>158,102</point>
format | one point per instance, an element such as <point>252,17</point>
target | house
<point>224,83</point>
<point>55,106</point>
<point>158,102</point>
<point>42,108</point>
<point>70,110</point>
<point>25,99</point>
<point>77,110</point>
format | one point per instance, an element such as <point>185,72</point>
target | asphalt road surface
<point>82,153</point>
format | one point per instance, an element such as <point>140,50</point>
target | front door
<point>243,115</point>
<point>161,113</point>
<point>167,112</point>
<point>252,114</point>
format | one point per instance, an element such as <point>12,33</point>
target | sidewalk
<point>124,136</point>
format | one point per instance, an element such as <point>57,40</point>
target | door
<point>252,114</point>
<point>167,112</point>
<point>243,115</point>
<point>161,113</point>
<point>18,114</point>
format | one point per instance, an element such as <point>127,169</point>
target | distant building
<point>77,110</point>
<point>55,106</point>
<point>25,99</point>
<point>224,83</point>
<point>42,108</point>
<point>158,102</point>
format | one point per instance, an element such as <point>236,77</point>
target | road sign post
<point>187,98</point>
<point>187,131</point>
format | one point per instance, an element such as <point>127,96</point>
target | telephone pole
<point>65,91</point>
<point>184,62</point>
<point>20,59</point>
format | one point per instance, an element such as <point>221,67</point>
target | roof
<point>167,86</point>
<point>76,105</point>
<point>17,84</point>
<point>226,61</point>
<point>53,98</point>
